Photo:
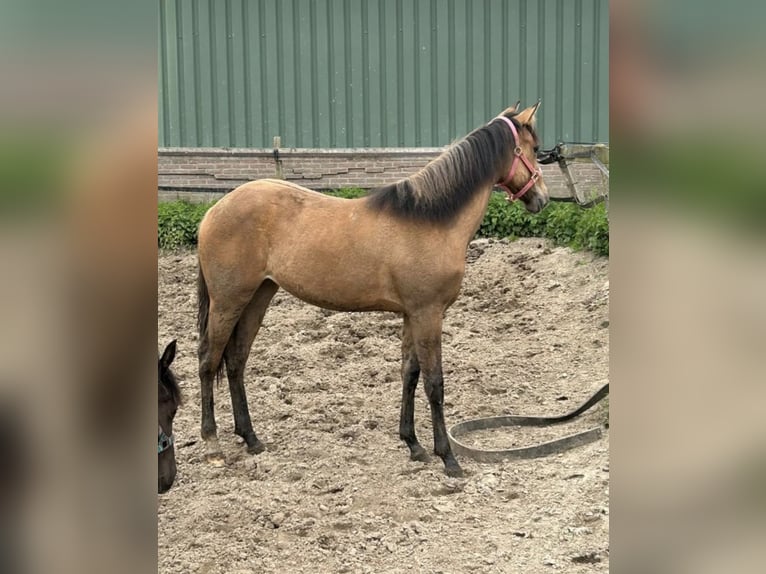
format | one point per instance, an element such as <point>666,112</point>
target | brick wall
<point>201,174</point>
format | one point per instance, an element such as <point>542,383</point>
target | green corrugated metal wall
<point>377,73</point>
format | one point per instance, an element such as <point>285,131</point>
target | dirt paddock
<point>336,491</point>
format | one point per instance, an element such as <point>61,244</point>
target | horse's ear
<point>512,110</point>
<point>527,117</point>
<point>168,355</point>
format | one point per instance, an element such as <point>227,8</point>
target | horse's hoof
<point>454,471</point>
<point>213,453</point>
<point>255,447</point>
<point>419,454</point>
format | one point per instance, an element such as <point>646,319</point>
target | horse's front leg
<point>426,333</point>
<point>410,375</point>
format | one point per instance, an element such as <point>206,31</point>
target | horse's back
<point>277,192</point>
<point>259,205</point>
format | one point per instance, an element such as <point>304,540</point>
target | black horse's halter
<point>164,442</point>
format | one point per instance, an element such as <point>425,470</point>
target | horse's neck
<point>472,215</point>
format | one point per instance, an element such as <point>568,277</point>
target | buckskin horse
<point>400,248</point>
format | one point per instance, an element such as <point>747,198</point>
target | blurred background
<point>78,142</point>
<point>688,313</point>
<point>78,185</point>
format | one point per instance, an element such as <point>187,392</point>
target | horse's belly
<point>342,297</point>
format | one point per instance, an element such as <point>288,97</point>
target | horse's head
<point>169,400</point>
<point>521,177</point>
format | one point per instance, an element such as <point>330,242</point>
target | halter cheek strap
<point>164,442</point>
<point>535,173</point>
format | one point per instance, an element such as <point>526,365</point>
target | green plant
<point>347,192</point>
<point>178,222</point>
<point>563,223</point>
<point>592,231</point>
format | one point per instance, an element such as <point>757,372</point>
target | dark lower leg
<point>434,385</point>
<point>410,375</point>
<point>235,369</point>
<point>426,334</point>
<point>236,353</point>
<point>208,415</point>
<point>209,433</point>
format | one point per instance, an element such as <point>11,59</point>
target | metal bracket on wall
<point>277,160</point>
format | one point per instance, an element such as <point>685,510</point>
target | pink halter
<point>535,173</point>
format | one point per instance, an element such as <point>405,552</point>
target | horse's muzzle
<point>536,203</point>
<point>164,484</point>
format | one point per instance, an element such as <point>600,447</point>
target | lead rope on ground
<point>535,451</point>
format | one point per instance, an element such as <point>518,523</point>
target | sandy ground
<point>336,491</point>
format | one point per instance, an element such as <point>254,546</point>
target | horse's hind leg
<point>220,323</point>
<point>236,353</point>
<point>426,333</point>
<point>410,375</point>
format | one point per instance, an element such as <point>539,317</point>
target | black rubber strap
<point>535,451</point>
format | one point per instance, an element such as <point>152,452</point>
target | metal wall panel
<point>377,73</point>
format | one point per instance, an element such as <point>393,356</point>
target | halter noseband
<point>164,442</point>
<point>535,173</point>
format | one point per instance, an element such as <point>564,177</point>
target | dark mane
<point>442,188</point>
<point>168,381</point>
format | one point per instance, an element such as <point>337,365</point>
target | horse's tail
<point>203,311</point>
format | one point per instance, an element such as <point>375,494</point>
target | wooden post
<point>277,160</point>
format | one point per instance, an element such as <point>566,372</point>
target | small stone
<point>579,530</point>
<point>591,558</point>
<point>326,542</point>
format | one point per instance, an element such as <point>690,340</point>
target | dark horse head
<point>169,400</point>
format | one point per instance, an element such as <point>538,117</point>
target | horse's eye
<point>537,148</point>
